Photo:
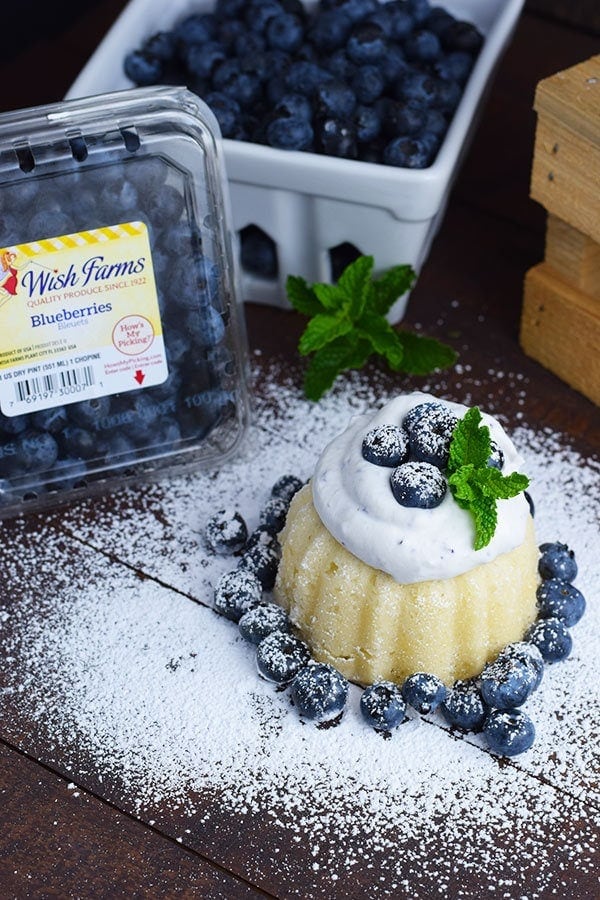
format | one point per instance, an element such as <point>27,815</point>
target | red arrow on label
<point>139,376</point>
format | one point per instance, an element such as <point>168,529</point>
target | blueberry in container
<point>122,344</point>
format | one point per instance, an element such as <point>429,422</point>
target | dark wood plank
<point>60,841</point>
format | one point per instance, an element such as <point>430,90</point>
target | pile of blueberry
<point>355,79</point>
<point>489,704</point>
<point>73,444</point>
<point>417,451</point>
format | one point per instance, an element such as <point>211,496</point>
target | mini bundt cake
<point>379,570</point>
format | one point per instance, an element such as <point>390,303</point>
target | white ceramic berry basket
<point>308,203</point>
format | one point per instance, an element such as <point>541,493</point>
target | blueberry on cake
<point>412,548</point>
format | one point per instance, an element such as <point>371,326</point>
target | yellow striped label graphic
<point>79,239</point>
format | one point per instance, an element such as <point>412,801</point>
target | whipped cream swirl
<point>355,503</point>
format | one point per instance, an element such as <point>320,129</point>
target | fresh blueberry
<point>368,123</point>
<point>143,68</point>
<point>401,21</point>
<point>261,557</point>
<point>438,19</point>
<point>509,732</point>
<point>235,593</point>
<point>561,600</point>
<point>227,112</point>
<point>340,67</point>
<point>455,66</point>
<point>366,44</point>
<point>422,46</point>
<point>293,133</point>
<point>285,32</point>
<point>162,45</point>
<point>418,87</point>
<point>249,43</point>
<point>418,485</point>
<point>329,29</point>
<point>202,59</point>
<point>286,487</point>
<point>226,531</point>
<point>280,656</point>
<point>273,514</point>
<point>430,436</point>
<point>414,414</point>
<point>507,682</point>
<point>319,692</point>
<point>552,639</point>
<point>36,450</point>
<point>528,654</point>
<point>14,424</point>
<point>386,445</point>
<point>496,460</point>
<point>259,14</point>
<point>382,705</point>
<point>404,118</point>
<point>436,123</point>
<point>409,153</point>
<point>197,28</point>
<point>394,65</point>
<point>335,99</point>
<point>529,499</point>
<point>297,105</point>
<point>78,442</point>
<point>462,36</point>
<point>89,413</point>
<point>420,10</point>
<point>424,692</point>
<point>557,561</point>
<point>262,620</point>
<point>337,137</point>
<point>463,706</point>
<point>356,10</point>
<point>52,420</point>
<point>304,77</point>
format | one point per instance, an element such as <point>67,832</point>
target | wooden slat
<point>565,175</point>
<point>573,256</point>
<point>560,328</point>
<point>572,96</point>
<point>60,841</point>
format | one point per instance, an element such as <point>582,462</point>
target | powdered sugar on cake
<point>355,503</point>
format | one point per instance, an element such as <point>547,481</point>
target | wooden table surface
<point>67,829</point>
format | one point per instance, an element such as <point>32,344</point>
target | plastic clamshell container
<point>309,204</point>
<point>122,344</point>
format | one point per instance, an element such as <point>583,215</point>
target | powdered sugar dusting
<point>140,690</point>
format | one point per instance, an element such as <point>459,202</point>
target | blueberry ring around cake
<point>379,571</point>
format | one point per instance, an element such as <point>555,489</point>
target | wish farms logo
<point>39,285</point>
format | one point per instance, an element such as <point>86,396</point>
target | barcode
<point>30,388</point>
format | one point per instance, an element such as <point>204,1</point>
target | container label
<point>79,318</point>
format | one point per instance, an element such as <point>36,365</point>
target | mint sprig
<point>475,485</point>
<point>348,325</point>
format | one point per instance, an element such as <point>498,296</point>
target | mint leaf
<point>471,444</point>
<point>475,485</point>
<point>485,515</point>
<point>382,337</point>
<point>356,286</point>
<point>353,312</point>
<point>322,329</point>
<point>390,286</point>
<point>302,297</point>
<point>327,363</point>
<point>422,355</point>
<point>330,296</point>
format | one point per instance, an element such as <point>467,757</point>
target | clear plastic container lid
<point>122,346</point>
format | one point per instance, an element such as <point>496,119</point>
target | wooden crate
<point>560,323</point>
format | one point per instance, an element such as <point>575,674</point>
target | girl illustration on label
<point>8,285</point>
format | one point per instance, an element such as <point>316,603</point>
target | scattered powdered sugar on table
<point>129,682</point>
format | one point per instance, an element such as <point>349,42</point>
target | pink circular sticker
<point>133,334</point>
